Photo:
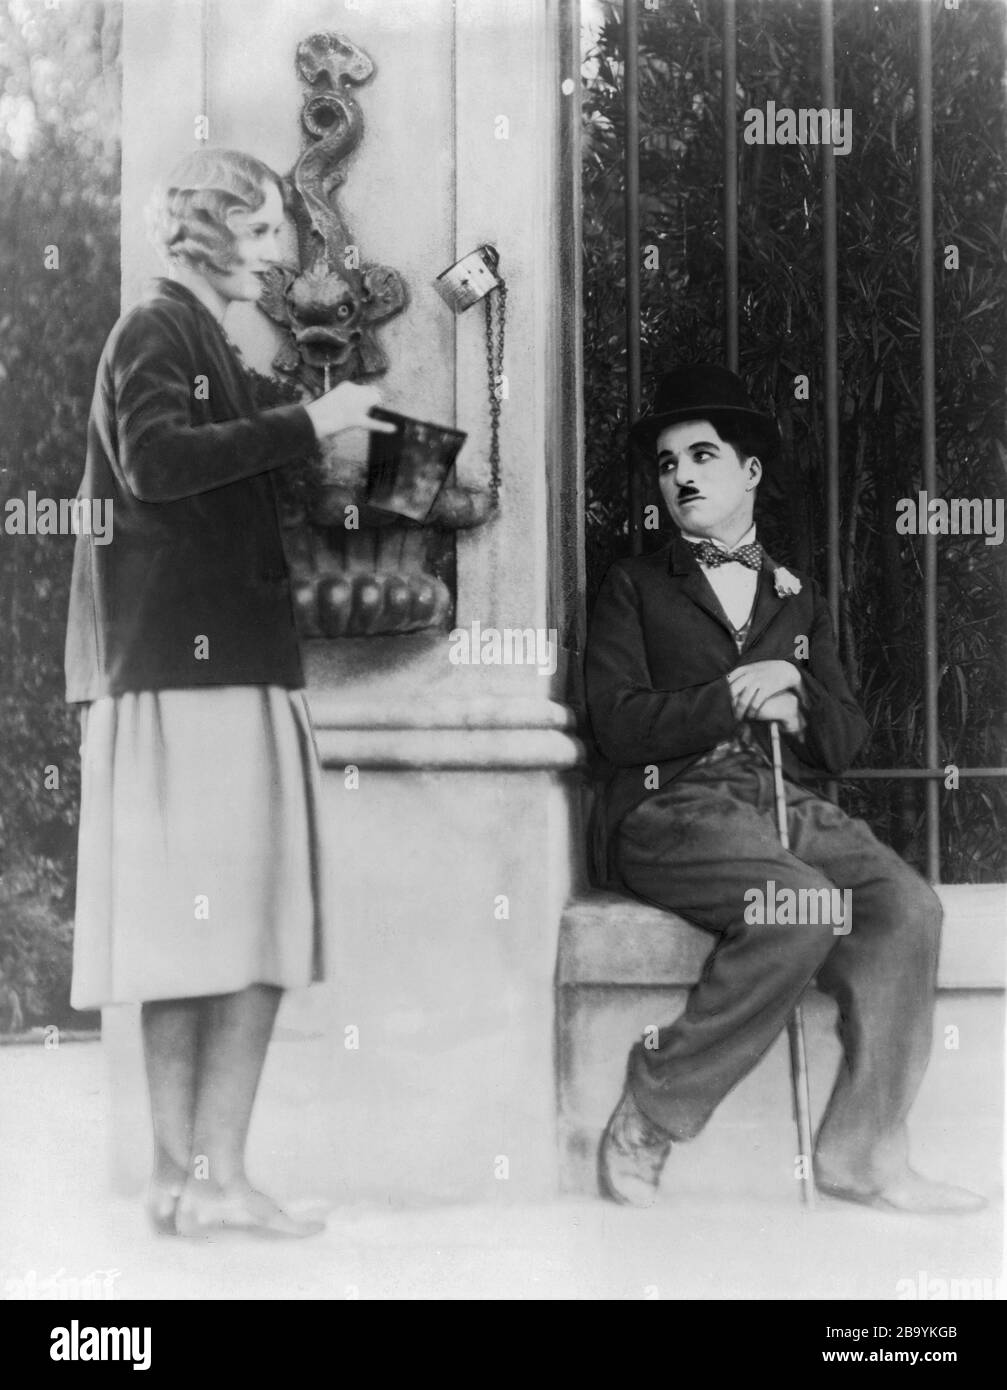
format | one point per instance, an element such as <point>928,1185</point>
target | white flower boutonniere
<point>785,583</point>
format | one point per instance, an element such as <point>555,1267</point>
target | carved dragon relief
<point>330,306</point>
<point>387,576</point>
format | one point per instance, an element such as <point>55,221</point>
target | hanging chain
<point>494,368</point>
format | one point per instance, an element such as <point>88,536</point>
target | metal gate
<point>933,771</point>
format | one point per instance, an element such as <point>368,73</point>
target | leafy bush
<point>59,171</point>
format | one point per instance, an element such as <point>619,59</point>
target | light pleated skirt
<point>200,863</point>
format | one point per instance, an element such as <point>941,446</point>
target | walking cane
<point>795,1023</point>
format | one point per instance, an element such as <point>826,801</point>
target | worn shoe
<point>910,1195</point>
<point>632,1152</point>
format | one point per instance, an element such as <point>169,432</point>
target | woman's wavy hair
<point>187,212</point>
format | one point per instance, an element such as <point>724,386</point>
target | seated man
<point>693,650</point>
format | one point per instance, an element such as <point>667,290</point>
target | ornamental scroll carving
<point>386,575</point>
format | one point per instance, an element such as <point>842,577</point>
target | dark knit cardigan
<point>193,588</point>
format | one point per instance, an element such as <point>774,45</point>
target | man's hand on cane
<point>783,709</point>
<point>768,691</point>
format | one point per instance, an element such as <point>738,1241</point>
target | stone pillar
<point>452,845</point>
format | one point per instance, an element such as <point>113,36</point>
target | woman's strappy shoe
<point>242,1211</point>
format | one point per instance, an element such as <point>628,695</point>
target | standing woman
<point>200,882</point>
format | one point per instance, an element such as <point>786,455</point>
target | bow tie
<point>709,554</point>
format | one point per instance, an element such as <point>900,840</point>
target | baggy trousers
<point>697,848</point>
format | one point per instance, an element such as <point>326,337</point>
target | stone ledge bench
<point>623,964</point>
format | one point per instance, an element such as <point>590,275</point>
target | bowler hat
<point>696,393</point>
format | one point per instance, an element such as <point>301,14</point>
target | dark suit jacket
<point>196,547</point>
<point>659,651</point>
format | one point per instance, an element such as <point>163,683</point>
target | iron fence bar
<point>905,773</point>
<point>631,99</point>
<point>729,86</point>
<point>924,109</point>
<point>830,306</point>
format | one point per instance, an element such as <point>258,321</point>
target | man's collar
<point>682,556</point>
<point>746,539</point>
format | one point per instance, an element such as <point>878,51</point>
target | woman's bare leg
<point>234,1038</point>
<point>236,1029</point>
<point>170,1040</point>
<point>170,1046</point>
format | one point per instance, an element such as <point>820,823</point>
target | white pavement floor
<point>62,1233</point>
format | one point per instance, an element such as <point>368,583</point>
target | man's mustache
<point>684,493</point>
